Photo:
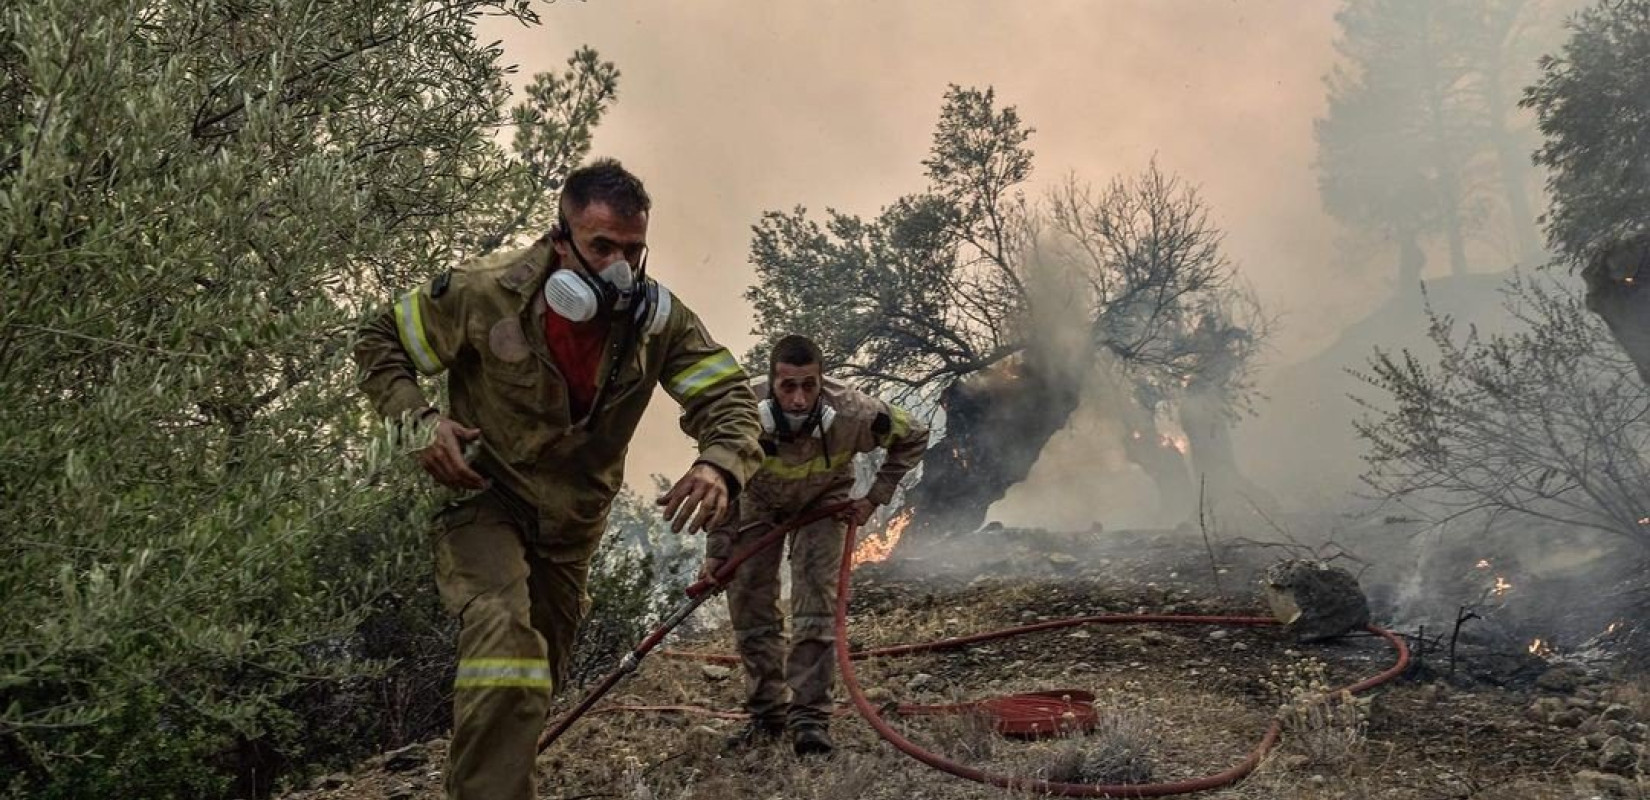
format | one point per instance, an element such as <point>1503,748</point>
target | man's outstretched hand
<point>702,489</point>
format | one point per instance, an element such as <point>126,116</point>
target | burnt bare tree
<point>969,300</point>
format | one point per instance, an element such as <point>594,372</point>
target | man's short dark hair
<point>605,181</point>
<point>796,350</point>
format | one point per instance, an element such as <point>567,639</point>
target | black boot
<point>811,740</point>
<point>756,733</point>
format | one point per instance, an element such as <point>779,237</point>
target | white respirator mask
<point>577,296</point>
<point>816,423</point>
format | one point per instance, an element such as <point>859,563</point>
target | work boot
<point>811,740</point>
<point>756,733</point>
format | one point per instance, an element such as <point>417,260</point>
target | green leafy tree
<point>196,203</point>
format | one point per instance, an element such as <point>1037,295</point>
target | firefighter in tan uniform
<point>812,429</point>
<point>552,353</point>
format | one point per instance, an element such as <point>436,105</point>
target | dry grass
<point>1174,704</point>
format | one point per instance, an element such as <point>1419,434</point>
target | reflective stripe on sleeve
<point>486,673</point>
<point>409,324</point>
<point>711,370</point>
<point>901,426</point>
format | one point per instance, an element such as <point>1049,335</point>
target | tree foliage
<point>196,202</point>
<point>945,283</point>
<point>1593,105</point>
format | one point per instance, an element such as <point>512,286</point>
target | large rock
<point>1314,600</point>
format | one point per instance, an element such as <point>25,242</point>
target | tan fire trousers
<point>753,603</point>
<point>518,612</point>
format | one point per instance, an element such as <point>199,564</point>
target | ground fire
<point>878,547</point>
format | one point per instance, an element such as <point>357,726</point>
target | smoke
<point>728,109</point>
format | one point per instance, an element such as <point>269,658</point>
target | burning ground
<point>1494,721</point>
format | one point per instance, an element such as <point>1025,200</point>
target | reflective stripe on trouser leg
<point>753,606</point>
<point>501,692</point>
<point>816,555</point>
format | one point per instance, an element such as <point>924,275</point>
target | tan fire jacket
<point>809,471</point>
<point>484,324</point>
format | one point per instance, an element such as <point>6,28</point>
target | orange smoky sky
<point>728,109</point>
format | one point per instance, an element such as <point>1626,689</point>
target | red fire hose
<point>1029,707</point>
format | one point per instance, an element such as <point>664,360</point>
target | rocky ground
<point>1175,702</point>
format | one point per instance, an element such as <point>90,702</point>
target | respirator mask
<point>580,294</point>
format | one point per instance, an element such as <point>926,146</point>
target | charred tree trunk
<point>1208,427</point>
<point>1616,291</point>
<point>996,424</point>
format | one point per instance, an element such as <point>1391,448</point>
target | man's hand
<point>858,512</point>
<point>710,568</point>
<point>444,459</point>
<point>702,488</point>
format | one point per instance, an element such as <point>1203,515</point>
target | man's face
<point>603,237</point>
<point>795,388</point>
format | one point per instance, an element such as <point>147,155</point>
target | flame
<point>1644,520</point>
<point>1539,647</point>
<point>1614,626</point>
<point>1501,587</point>
<point>1483,563</point>
<point>1136,434</point>
<point>877,548</point>
<point>1175,442</point>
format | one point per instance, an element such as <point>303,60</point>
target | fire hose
<point>1037,706</point>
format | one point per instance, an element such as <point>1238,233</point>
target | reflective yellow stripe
<point>491,683</point>
<point>409,323</point>
<point>710,370</point>
<point>807,469</point>
<point>478,673</point>
<point>902,425</point>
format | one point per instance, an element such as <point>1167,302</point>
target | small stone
<point>921,681</point>
<point>1217,635</point>
<point>1617,756</point>
<point>404,759</point>
<point>1595,740</point>
<point>715,672</point>
<point>1238,647</point>
<point>336,780</point>
<point>1612,727</point>
<point>1563,678</point>
<point>1154,637</point>
<point>1078,635</point>
<point>1569,718</point>
<point>705,738</point>
<point>1618,713</point>
<point>1544,709</point>
<point>1061,559</point>
<point>1027,615</point>
<point>402,792</point>
<point>1601,784</point>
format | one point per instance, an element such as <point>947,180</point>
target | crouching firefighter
<point>552,353</point>
<point>811,429</point>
